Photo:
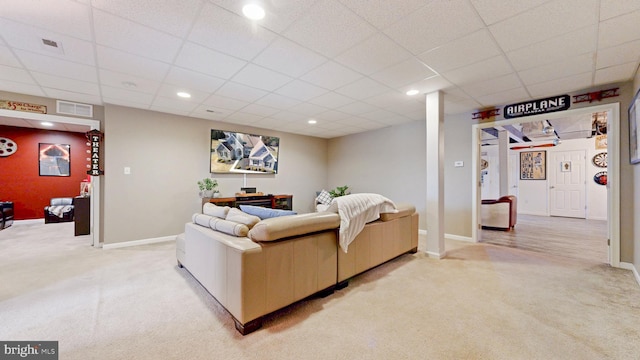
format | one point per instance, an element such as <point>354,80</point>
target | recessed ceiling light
<point>183,94</point>
<point>253,11</point>
<point>46,123</point>
<point>312,121</point>
<point>413,92</point>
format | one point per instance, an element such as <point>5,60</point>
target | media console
<point>284,202</point>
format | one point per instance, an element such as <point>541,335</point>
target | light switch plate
<point>127,170</point>
<point>458,164</point>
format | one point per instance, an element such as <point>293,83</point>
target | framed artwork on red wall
<point>54,159</point>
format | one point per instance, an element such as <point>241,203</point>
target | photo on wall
<point>54,159</point>
<point>235,152</point>
<point>533,165</point>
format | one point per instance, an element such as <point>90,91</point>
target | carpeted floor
<point>481,302</point>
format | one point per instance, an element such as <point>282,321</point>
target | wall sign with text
<point>535,107</point>
<point>95,138</point>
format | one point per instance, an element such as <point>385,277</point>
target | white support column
<point>503,159</point>
<point>435,175</point>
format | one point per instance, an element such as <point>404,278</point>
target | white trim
<point>436,255</point>
<point>422,232</point>
<point>139,242</point>
<point>95,181</point>
<point>458,237</point>
<point>613,156</point>
<point>629,266</point>
<point>28,221</point>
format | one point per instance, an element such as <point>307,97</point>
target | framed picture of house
<point>236,152</point>
<point>533,165</point>
<point>54,159</point>
<point>634,117</point>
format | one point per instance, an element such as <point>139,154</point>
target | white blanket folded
<point>355,211</point>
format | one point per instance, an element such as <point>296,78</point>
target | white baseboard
<point>629,266</point>
<point>448,236</point>
<point>28,222</point>
<point>139,242</point>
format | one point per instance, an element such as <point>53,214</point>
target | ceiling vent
<point>71,108</point>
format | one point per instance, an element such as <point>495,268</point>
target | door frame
<point>613,170</point>
<point>95,181</point>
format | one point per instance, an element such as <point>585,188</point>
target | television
<point>239,153</point>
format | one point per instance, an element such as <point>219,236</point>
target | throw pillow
<point>238,216</point>
<point>265,213</point>
<point>225,226</point>
<point>324,197</point>
<point>215,210</point>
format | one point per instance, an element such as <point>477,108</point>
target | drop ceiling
<point>344,63</point>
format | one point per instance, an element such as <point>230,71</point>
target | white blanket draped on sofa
<point>355,211</point>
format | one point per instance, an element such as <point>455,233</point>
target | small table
<point>284,202</point>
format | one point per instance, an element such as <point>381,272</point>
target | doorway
<point>95,181</point>
<point>613,170</point>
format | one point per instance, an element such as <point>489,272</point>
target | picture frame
<point>54,159</point>
<point>533,165</point>
<point>634,117</point>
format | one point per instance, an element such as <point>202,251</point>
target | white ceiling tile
<point>198,58</point>
<point>403,73</point>
<point>134,65</point>
<point>504,97</point>
<point>435,24</point>
<point>301,90</point>
<point>124,102</point>
<point>463,51</point>
<point>229,33</point>
<point>389,99</point>
<point>483,70</point>
<point>28,38</point>
<point>619,30</point>
<point>66,17</point>
<point>272,123</point>
<point>173,17</point>
<point>618,55</point>
<point>362,89</point>
<point>133,38</point>
<point>260,110</point>
<point>279,14</point>
<point>331,75</point>
<point>429,85</point>
<point>329,28</point>
<point>332,115</point>
<point>163,108</point>
<point>8,73</point>
<point>544,22</point>
<point>613,8</point>
<point>288,58</point>
<point>291,117</point>
<point>357,108</point>
<point>210,112</point>
<point>261,78</point>
<point>66,84</point>
<point>561,85</point>
<point>225,102</point>
<point>72,96</point>
<point>184,106</point>
<point>555,49</point>
<point>193,80</point>
<point>243,118</point>
<point>240,92</point>
<point>615,73</point>
<point>49,65</point>
<point>126,95</point>
<point>119,80</point>
<point>278,101</point>
<point>170,91</point>
<point>7,58</point>
<point>493,11</point>
<point>308,109</point>
<point>373,54</point>
<point>492,86</point>
<point>331,100</point>
<point>458,107</point>
<point>567,67</point>
<point>21,88</point>
<point>382,13</point>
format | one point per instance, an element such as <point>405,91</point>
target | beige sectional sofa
<point>285,259</point>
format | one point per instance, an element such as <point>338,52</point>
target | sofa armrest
<point>403,210</point>
<point>294,225</point>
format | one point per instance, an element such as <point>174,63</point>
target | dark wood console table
<point>284,202</point>
<point>82,215</point>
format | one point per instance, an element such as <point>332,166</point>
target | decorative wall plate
<point>7,147</point>
<point>600,178</point>
<point>600,159</point>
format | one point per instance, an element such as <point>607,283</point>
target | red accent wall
<point>20,179</point>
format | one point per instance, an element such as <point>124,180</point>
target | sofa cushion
<point>282,227</point>
<point>238,216</point>
<point>265,213</point>
<point>222,225</point>
<point>324,197</point>
<point>215,210</point>
<point>403,210</point>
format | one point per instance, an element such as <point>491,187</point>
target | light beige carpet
<point>481,302</point>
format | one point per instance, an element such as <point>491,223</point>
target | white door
<point>567,186</point>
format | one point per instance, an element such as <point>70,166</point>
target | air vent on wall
<point>71,108</point>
